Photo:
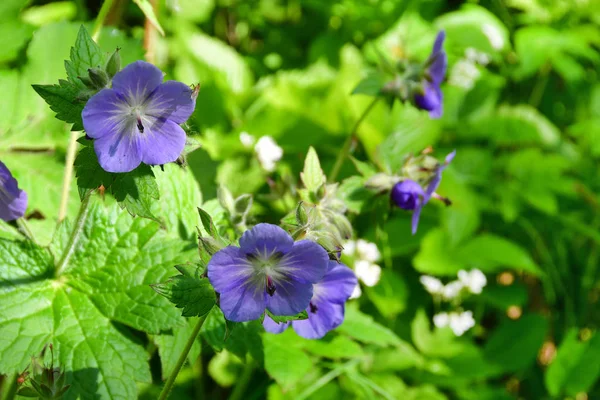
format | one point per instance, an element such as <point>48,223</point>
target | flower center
<point>265,265</point>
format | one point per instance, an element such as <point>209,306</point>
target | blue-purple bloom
<point>137,120</point>
<point>326,308</point>
<point>431,99</point>
<point>13,201</point>
<point>269,270</point>
<point>409,195</point>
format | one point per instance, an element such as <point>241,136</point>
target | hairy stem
<point>75,234</point>
<point>10,384</point>
<point>240,387</point>
<point>343,154</point>
<point>182,357</point>
<point>64,198</point>
<point>106,6</point>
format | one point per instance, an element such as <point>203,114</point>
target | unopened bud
<point>113,65</point>
<point>98,77</point>
<point>381,182</point>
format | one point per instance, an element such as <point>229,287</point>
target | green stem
<point>69,163</point>
<point>343,154</point>
<point>182,357</point>
<point>24,229</point>
<point>11,391</point>
<point>325,379</point>
<point>75,234</point>
<point>242,383</point>
<point>540,85</point>
<point>106,6</point>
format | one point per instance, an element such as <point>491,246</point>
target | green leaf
<point>85,54</point>
<point>65,100</point>
<point>312,176</point>
<point>576,367</point>
<point>188,291</point>
<point>362,327</point>
<point>279,350</point>
<point>338,348</point>
<point>371,85</point>
<point>214,330</point>
<point>286,318</point>
<point>148,11</point>
<point>515,344</point>
<point>136,190</point>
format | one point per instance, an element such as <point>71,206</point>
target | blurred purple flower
<point>431,99</point>
<point>138,119</point>
<point>410,196</point>
<point>326,308</point>
<point>268,270</point>
<point>13,201</point>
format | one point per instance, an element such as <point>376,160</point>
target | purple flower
<point>410,196</point>
<point>326,308</point>
<point>431,99</point>
<point>13,201</point>
<point>138,119</point>
<point>269,270</point>
<point>407,194</point>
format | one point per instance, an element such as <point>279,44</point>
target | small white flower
<point>356,292</point>
<point>268,152</point>
<point>431,284</point>
<point>367,251</point>
<point>441,320</point>
<point>460,323</point>
<point>349,248</point>
<point>367,272</point>
<point>464,74</point>
<point>477,56</point>
<point>494,36</point>
<point>247,139</point>
<point>473,280</point>
<point>452,289</point>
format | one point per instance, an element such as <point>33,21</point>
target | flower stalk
<point>182,357</point>
<point>75,235</point>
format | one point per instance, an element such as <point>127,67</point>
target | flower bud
<point>113,65</point>
<point>98,77</point>
<point>406,194</point>
<point>381,182</point>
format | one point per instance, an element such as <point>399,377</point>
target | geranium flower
<point>409,195</point>
<point>13,201</point>
<point>326,308</point>
<point>431,99</point>
<point>137,120</point>
<point>269,270</point>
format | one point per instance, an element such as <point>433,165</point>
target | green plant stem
<point>64,198</point>
<point>343,154</point>
<point>24,229</point>
<point>182,357</point>
<point>325,379</point>
<point>11,384</point>
<point>540,85</point>
<point>106,6</point>
<point>75,234</point>
<point>240,387</point>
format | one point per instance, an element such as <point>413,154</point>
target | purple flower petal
<point>228,268</point>
<point>118,152</point>
<point>415,217</point>
<point>439,41</point>
<point>337,285</point>
<point>243,303</point>
<point>13,201</point>
<point>137,81</point>
<point>171,100</point>
<point>439,60</point>
<point>103,114</point>
<point>162,141</point>
<point>273,327</point>
<point>431,100</point>
<point>327,317</point>
<point>289,298</point>
<point>266,238</point>
<point>306,262</point>
<point>406,194</point>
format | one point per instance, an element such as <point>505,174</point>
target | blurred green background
<point>522,108</point>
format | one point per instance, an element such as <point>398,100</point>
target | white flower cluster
<point>266,149</point>
<point>465,72</point>
<point>458,322</point>
<point>365,255</point>
<point>472,281</point>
